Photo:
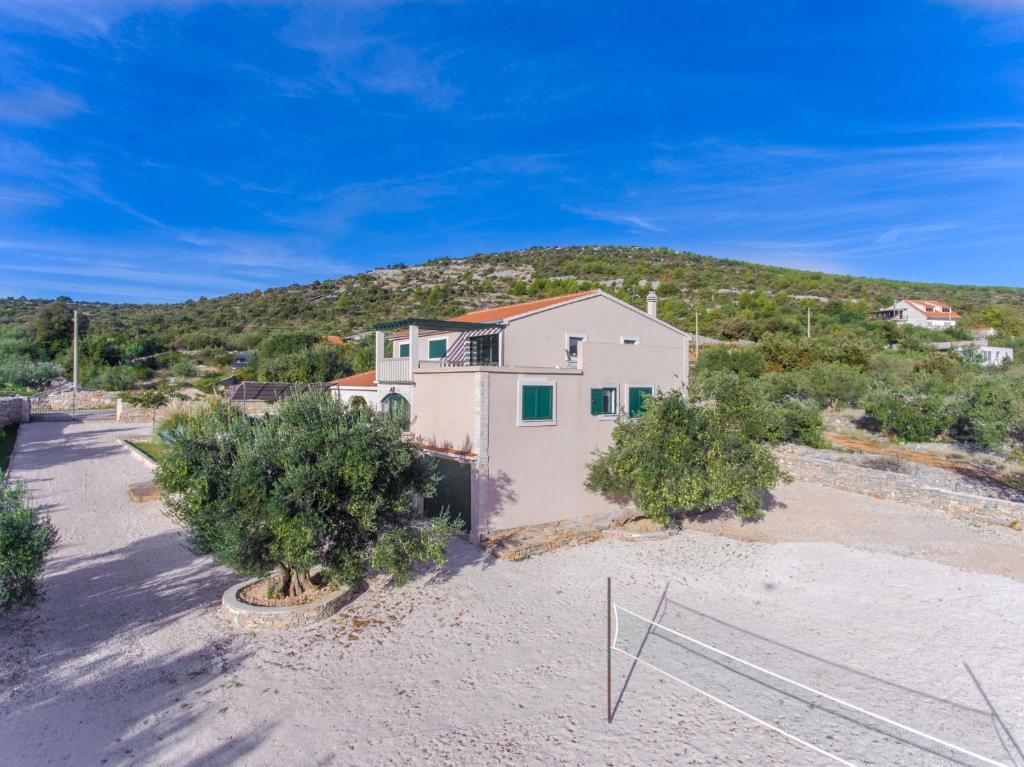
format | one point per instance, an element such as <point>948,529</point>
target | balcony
<point>478,343</point>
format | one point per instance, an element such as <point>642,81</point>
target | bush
<point>676,455</point>
<point>26,538</point>
<point>748,361</point>
<point>908,415</point>
<point>834,384</point>
<point>25,371</point>
<point>990,412</point>
<point>314,484</point>
<point>183,368</point>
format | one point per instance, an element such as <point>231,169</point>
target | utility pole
<point>74,364</point>
<point>808,322</point>
<point>696,334</point>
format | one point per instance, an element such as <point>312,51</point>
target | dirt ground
<point>128,660</point>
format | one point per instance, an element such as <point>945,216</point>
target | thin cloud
<point>39,105</point>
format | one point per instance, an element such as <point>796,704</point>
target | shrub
<point>834,384</point>
<point>748,361</point>
<point>908,415</point>
<point>991,410</point>
<point>25,371</point>
<point>676,455</point>
<point>26,538</point>
<point>314,484</point>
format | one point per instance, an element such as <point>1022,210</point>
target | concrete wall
<point>13,410</point>
<point>443,415</point>
<point>536,473</point>
<point>819,467</point>
<point>540,339</point>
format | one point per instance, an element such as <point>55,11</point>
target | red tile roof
<point>514,310</point>
<point>334,340</point>
<point>933,309</point>
<point>359,379</point>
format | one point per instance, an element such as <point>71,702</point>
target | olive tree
<point>315,484</point>
<point>677,455</point>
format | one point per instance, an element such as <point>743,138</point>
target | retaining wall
<point>13,410</point>
<point>821,467</point>
<point>128,413</point>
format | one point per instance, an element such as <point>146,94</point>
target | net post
<point>608,649</point>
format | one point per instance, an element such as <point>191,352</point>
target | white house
<point>514,400</point>
<point>925,314</point>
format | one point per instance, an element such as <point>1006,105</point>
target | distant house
<point>992,355</point>
<point>512,401</point>
<point>924,314</point>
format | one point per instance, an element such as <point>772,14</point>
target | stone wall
<point>910,485</point>
<point>13,410</point>
<point>63,398</point>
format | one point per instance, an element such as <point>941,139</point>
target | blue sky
<point>158,150</point>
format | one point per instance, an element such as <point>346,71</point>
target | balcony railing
<point>395,370</point>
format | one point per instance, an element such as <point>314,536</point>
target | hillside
<point>736,299</point>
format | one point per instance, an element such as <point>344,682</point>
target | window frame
<point>629,388</point>
<point>401,346</point>
<point>615,404</point>
<point>581,339</point>
<point>546,382</point>
<point>431,342</point>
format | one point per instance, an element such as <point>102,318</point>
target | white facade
<point>529,420</point>
<point>934,315</point>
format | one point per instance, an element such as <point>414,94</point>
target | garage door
<point>453,492</point>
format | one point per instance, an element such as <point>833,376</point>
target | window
<point>604,401</point>
<point>630,340</point>
<point>572,346</point>
<point>437,348</point>
<point>403,349</point>
<point>537,403</point>
<point>483,350</point>
<point>637,395</point>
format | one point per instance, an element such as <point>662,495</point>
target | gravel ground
<point>484,662</point>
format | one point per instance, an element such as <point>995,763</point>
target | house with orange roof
<point>514,400</point>
<point>922,313</point>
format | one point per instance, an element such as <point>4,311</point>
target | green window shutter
<point>538,403</point>
<point>437,348</point>
<point>636,398</point>
<point>403,350</point>
<point>597,401</point>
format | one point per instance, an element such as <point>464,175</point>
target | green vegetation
<point>8,434</point>
<point>680,456</point>
<point>154,449</point>
<point>316,484</point>
<point>26,537</point>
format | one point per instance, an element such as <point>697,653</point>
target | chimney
<point>652,304</point>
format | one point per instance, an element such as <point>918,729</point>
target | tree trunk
<point>288,582</point>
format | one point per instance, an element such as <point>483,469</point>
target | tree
<point>52,324</point>
<point>316,484</point>
<point>26,537</point>
<point>676,455</point>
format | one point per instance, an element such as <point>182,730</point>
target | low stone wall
<point>13,410</point>
<point>65,399</point>
<point>834,469</point>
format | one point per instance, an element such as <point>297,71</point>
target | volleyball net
<point>837,729</point>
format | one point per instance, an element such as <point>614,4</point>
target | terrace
<point>476,344</point>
